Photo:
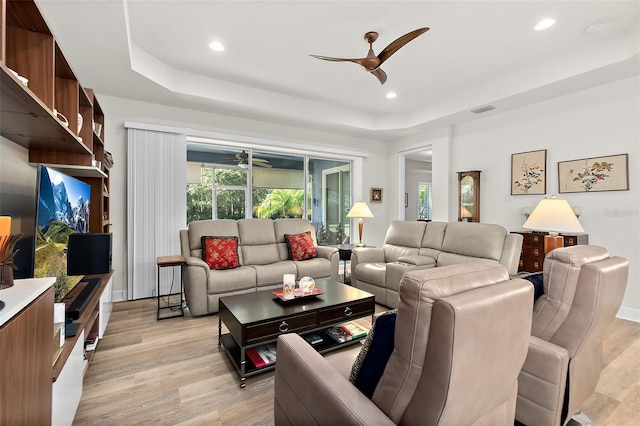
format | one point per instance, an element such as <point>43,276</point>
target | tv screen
<point>62,209</point>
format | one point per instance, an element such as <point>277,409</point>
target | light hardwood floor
<point>171,372</point>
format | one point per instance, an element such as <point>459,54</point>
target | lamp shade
<point>553,215</point>
<point>360,209</point>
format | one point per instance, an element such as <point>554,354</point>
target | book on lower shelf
<point>91,341</point>
<point>338,335</point>
<point>347,332</point>
<point>314,339</point>
<point>262,355</point>
<point>356,331</point>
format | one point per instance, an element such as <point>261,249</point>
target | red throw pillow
<point>220,252</point>
<point>301,246</point>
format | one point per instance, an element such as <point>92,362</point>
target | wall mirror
<point>469,196</point>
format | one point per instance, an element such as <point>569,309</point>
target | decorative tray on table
<point>314,293</point>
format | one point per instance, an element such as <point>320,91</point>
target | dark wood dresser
<point>532,254</point>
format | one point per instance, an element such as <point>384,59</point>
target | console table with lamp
<point>552,224</point>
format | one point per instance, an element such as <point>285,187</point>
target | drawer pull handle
<point>347,311</point>
<point>283,327</point>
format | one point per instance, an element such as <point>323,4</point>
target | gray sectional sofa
<point>410,245</point>
<point>263,256</point>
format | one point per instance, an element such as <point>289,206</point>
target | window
<point>199,192</point>
<point>278,192</point>
<point>424,201</point>
<point>227,183</point>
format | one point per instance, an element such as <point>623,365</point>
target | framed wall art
<point>376,195</point>
<point>529,173</point>
<point>609,173</point>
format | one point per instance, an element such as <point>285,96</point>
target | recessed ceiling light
<point>391,95</point>
<point>544,24</point>
<point>216,46</point>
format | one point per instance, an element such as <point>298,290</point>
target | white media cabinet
<point>35,386</point>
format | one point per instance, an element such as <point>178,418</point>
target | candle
<point>5,226</point>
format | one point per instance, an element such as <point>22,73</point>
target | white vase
<point>80,121</point>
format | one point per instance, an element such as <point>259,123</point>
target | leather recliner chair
<point>460,339</point>
<point>583,290</point>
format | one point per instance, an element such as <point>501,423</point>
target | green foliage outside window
<point>280,203</point>
<point>199,197</point>
<point>230,187</point>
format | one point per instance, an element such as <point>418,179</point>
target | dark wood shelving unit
<point>31,116</point>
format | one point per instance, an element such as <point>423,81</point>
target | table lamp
<point>553,215</point>
<point>360,210</point>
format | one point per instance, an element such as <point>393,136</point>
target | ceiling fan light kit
<point>371,63</point>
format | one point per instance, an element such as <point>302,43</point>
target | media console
<point>69,368</point>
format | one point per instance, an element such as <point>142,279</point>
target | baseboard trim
<point>629,314</point>
<point>118,296</point>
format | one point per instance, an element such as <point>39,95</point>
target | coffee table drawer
<point>270,330</point>
<point>346,312</point>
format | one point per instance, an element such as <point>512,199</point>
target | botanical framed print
<point>609,173</point>
<point>529,173</point>
<point>376,195</point>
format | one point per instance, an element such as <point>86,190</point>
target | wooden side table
<point>532,254</point>
<point>163,262</point>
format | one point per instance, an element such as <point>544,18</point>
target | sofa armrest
<point>417,260</point>
<point>196,261</point>
<point>511,252</point>
<point>366,254</point>
<point>195,276</point>
<point>541,384</point>
<point>326,251</point>
<point>332,254</point>
<point>308,390</point>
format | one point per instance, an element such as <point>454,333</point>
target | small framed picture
<point>376,195</point>
<point>406,200</point>
<point>528,173</point>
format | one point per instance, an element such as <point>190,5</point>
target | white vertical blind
<point>156,207</point>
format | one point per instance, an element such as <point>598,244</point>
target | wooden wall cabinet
<point>532,253</point>
<point>31,113</point>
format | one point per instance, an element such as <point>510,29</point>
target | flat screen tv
<point>62,209</point>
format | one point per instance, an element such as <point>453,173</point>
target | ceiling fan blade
<point>380,75</point>
<point>399,42</point>
<point>329,58</point>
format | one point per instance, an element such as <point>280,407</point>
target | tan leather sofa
<point>263,255</point>
<point>461,337</point>
<point>415,245</point>
<point>583,290</point>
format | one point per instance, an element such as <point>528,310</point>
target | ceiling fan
<point>243,161</point>
<point>371,63</point>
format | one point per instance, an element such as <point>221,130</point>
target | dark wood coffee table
<point>258,318</point>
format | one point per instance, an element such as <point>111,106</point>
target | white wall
<point>601,121</point>
<point>118,110</point>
